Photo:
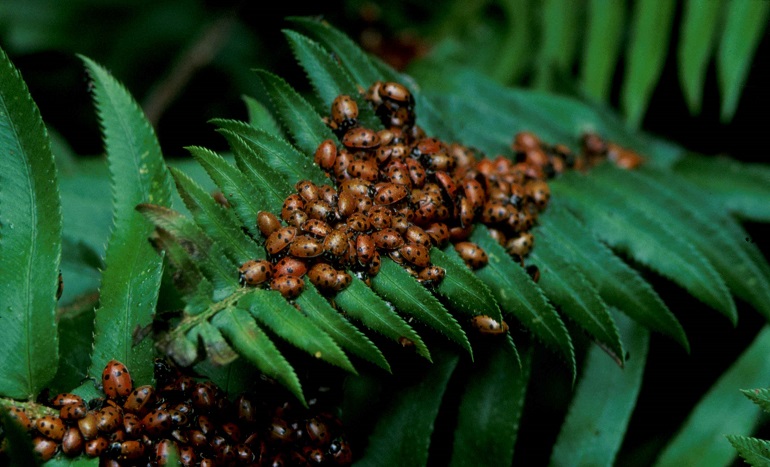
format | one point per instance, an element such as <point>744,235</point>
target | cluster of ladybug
<point>398,193</point>
<point>141,426</point>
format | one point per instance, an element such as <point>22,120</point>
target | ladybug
<point>267,222</point>
<point>320,210</point>
<point>290,287</point>
<point>539,192</point>
<point>280,239</point>
<point>448,186</point>
<point>361,138</point>
<point>326,154</point>
<point>439,233</point>
<point>45,448</point>
<point>72,443</point>
<point>197,438</point>
<point>131,450</point>
<point>427,146</point>
<point>394,91</point>
<point>293,202</point>
<point>364,204</point>
<point>157,422</point>
<point>132,425</point>
<point>96,446</point>
<point>416,254</point>
<point>387,239</point>
<point>344,112</point>
<point>65,398</point>
<point>380,217</point>
<point>296,218</point>
<point>328,193</point>
<point>473,255</point>
<point>187,455</point>
<point>359,222</point>
<point>474,192</point>
<point>340,450</point>
<point>87,426</point>
<point>358,187</point>
<point>139,398</point>
<point>323,276</point>
<point>178,418</point>
<point>431,275</point>
<point>440,161</point>
<point>400,223</point>
<point>108,419</point>
<point>466,212</point>
<point>487,325</point>
<point>74,411</point>
<point>364,169</point>
<point>417,235</point>
<point>243,453</point>
<point>255,272</point>
<point>520,245</point>
<point>386,136</point>
<point>517,195</point>
<point>498,236</point>
<point>206,426</point>
<point>398,172</point>
<point>116,380</point>
<point>390,193</point>
<point>51,426</point>
<point>341,163</point>
<point>20,415</point>
<point>307,190</point>
<point>461,154</point>
<point>365,248</point>
<point>280,431</point>
<point>416,173</point>
<point>347,203</point>
<point>287,266</point>
<point>231,430</point>
<point>163,451</point>
<point>460,234</point>
<point>593,144</point>
<point>336,243</point>
<point>524,141</point>
<point>305,246</point>
<point>374,264</point>
<point>494,212</point>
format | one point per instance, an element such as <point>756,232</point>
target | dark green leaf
<point>205,253</point>
<point>30,241</point>
<point>76,331</point>
<point>278,152</point>
<point>81,268</point>
<point>700,25</point>
<point>272,310</point>
<point>742,188</point>
<point>252,343</point>
<point>606,22</point>
<point>515,51</point>
<point>646,55</point>
<point>63,461</point>
<point>328,77</point>
<point>271,186</point>
<point>519,296</point>
<point>560,37</point>
<point>490,409</point>
<point>295,113</point>
<point>318,310</point>
<point>133,270</point>
<point>744,27</point>
<point>360,303</point>
<point>19,448</point>
<point>566,286</point>
<point>238,190</point>
<point>236,378</point>
<point>395,285</point>
<point>218,222</point>
<point>603,403</point>
<point>218,351</point>
<point>617,284</point>
<point>402,434</point>
<point>464,292</point>
<point>754,451</point>
<point>260,117</point>
<point>761,397</point>
<point>700,440</point>
<point>645,238</point>
<point>691,215</point>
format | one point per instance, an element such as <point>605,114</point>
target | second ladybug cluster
<point>142,425</point>
<point>397,194</point>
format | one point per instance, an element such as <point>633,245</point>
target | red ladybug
<point>116,380</point>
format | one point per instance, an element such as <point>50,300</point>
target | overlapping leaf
<point>30,241</point>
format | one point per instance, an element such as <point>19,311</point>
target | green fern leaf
<point>207,254</point>
<point>272,188</point>
<point>566,286</point>
<point>559,41</point>
<point>217,350</point>
<point>20,450</point>
<point>183,350</point>
<point>402,434</point>
<point>647,239</point>
<point>260,117</point>
<point>600,52</point>
<point>272,310</point>
<point>295,114</point>
<point>646,55</point>
<point>30,241</point>
<point>754,451</point>
<point>603,403</point>
<point>242,332</point>
<point>329,320</point>
<point>700,24</point>
<point>744,27</point>
<point>395,285</point>
<point>700,440</point>
<point>741,188</point>
<point>76,328</point>
<point>360,303</point>
<point>328,77</point>
<point>238,190</point>
<point>131,279</point>
<point>219,223</point>
<point>709,229</point>
<point>278,153</point>
<point>617,284</point>
<point>491,408</point>
<point>761,397</point>
<point>236,378</point>
<point>522,298</point>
